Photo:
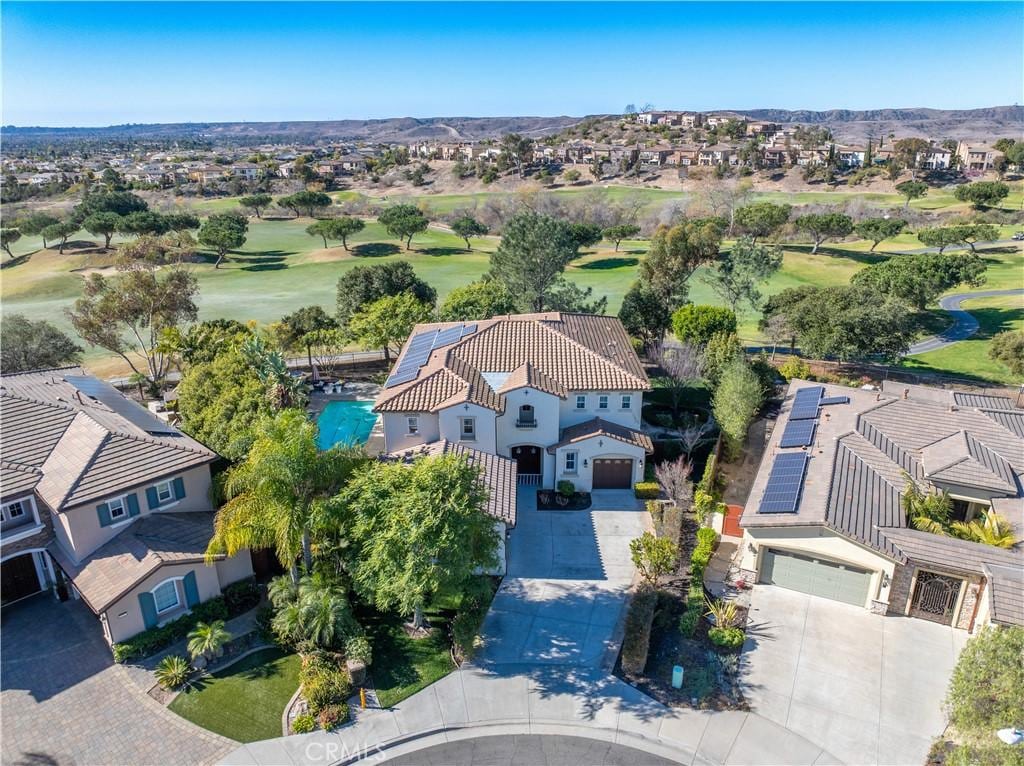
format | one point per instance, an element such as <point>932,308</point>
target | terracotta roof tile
<point>598,427</point>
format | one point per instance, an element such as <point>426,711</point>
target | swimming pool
<point>345,422</point>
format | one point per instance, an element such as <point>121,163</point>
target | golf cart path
<point>964,325</point>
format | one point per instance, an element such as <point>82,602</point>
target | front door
<point>18,578</point>
<point>527,459</point>
<point>613,473</point>
<point>935,597</point>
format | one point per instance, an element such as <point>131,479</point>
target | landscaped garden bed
<point>564,498</point>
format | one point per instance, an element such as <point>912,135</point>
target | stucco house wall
<point>569,415</point>
<point>589,449</point>
<point>450,423</point>
<point>396,430</point>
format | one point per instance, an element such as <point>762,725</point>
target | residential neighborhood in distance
<point>531,384</point>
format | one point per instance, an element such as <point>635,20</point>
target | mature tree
<point>921,278</point>
<point>103,224</point>
<point>532,256</point>
<point>973,233</point>
<point>570,297</point>
<point>620,232</point>
<point>877,230</point>
<point>516,151</point>
<point>256,203</point>
<point>343,228</point>
<point>908,153</point>
<point>483,299</point>
<point>467,226</point>
<point>143,222</point>
<point>297,330</point>
<point>220,400</point>
<point>697,323</point>
<point>853,322</point>
<point>128,315</point>
<point>223,232</point>
<point>674,478</point>
<point>34,224</point>
<point>912,190</point>
<point>941,237</point>
<point>205,340</point>
<point>121,202</point>
<point>737,272</point>
<point>181,223</point>
<point>644,314</point>
<point>403,222</point>
<point>363,285</point>
<point>675,255</point>
<point>7,238</point>
<point>387,322</point>
<point>982,194</point>
<point>680,367</point>
<point>314,610</point>
<point>61,231</point>
<point>761,219</point>
<point>722,349</point>
<point>824,226</point>
<point>27,345</point>
<point>1008,348</point>
<point>585,234</point>
<point>653,556</point>
<point>308,202</point>
<point>420,530</point>
<point>278,495</point>
<point>736,400</point>
<point>986,694</point>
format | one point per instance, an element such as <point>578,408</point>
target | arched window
<point>165,595</point>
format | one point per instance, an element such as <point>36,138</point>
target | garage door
<point>613,473</point>
<point>818,577</point>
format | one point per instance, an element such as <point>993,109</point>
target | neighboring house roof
<point>554,352</point>
<point>949,552</point>
<point>84,438</point>
<point>17,479</point>
<point>598,427</point>
<point>499,474</point>
<point>1005,593</point>
<point>152,541</point>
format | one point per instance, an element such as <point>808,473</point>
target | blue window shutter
<point>151,498</point>
<point>133,505</point>
<point>103,510</point>
<point>148,606</point>
<point>179,489</point>
<point>191,589</point>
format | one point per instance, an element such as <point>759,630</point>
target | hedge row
<point>236,599</point>
<point>636,641</point>
<point>701,555</point>
<point>647,490</point>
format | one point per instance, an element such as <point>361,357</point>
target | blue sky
<point>109,63</point>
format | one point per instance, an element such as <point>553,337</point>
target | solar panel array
<point>782,492</point>
<point>805,403</point>
<point>135,414</point>
<point>834,400</point>
<point>420,347</point>
<point>798,433</point>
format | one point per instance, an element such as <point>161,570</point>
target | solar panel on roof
<point>798,433</point>
<point>805,403</point>
<point>782,492</point>
<point>468,330</point>
<point>397,378</point>
<point>135,414</point>
<point>447,337</point>
<point>834,400</point>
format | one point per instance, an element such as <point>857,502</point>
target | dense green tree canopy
<point>60,232</point>
<point>824,226</point>
<point>736,273</point>
<point>362,285</point>
<point>982,194</point>
<point>223,232</point>
<point>305,202</point>
<point>912,190</point>
<point>477,300</point>
<point>143,222</point>
<point>103,224</point>
<point>877,230</point>
<point>403,222</point>
<point>122,203</point>
<point>736,400</point>
<point>256,203</point>
<point>532,256</point>
<point>1008,348</point>
<point>761,219</point>
<point>467,226</point>
<point>920,279</point>
<point>676,253</point>
<point>298,329</point>
<point>644,314</point>
<point>387,322</point>
<point>7,238</point>
<point>205,340</point>
<point>618,233</point>
<point>696,324</point>
<point>27,345</point>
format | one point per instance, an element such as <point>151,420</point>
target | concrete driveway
<point>568,573</point>
<point>866,688</point>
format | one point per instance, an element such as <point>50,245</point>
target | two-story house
<point>559,394</point>
<point>826,514</point>
<point>104,502</point>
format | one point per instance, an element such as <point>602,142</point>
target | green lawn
<point>969,358</point>
<point>403,665</point>
<point>245,701</point>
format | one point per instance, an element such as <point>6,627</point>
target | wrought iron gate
<point>935,597</point>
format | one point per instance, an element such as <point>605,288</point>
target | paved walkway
<point>868,687</point>
<point>65,702</point>
<point>964,325</point>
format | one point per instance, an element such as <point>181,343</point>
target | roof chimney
<point>906,393</point>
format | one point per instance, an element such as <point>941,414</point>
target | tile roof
<point>961,459</point>
<point>598,427</point>
<point>499,474</point>
<point>555,352</point>
<point>949,552</point>
<point>149,543</point>
<point>17,479</point>
<point>1006,593</point>
<point>85,438</point>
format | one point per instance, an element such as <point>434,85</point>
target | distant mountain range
<point>846,125</point>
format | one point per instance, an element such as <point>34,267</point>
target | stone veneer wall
<point>39,540</point>
<point>973,589</point>
<point>899,590</point>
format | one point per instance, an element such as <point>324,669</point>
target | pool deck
<point>359,391</point>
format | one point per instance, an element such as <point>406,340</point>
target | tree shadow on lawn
<point>395,653</point>
<point>268,260</point>
<point>375,249</point>
<point>444,251</point>
<point>18,260</point>
<point>835,252</point>
<point>993,321</point>
<point>609,263</point>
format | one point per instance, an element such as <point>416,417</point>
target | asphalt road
<point>529,750</point>
<point>964,325</point>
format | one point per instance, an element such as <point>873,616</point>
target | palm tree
<point>926,511</point>
<point>207,639</point>
<point>990,529</point>
<point>284,390</point>
<point>280,493</point>
<point>316,609</point>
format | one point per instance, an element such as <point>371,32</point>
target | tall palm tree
<point>207,639</point>
<point>279,493</point>
<point>990,529</point>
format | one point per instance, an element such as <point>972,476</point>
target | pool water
<point>345,422</point>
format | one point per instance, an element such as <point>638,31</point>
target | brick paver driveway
<point>63,701</point>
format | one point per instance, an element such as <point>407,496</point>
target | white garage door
<point>816,576</point>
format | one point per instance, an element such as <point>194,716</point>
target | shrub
<point>466,629</point>
<point>358,648</point>
<point>697,323</point>
<point>707,537</point>
<point>155,639</point>
<point>303,724</point>
<point>647,490</point>
<point>986,690</point>
<point>172,671</point>
<point>323,683</point>
<point>725,613</point>
<point>704,505</point>
<point>566,488</point>
<point>241,596</point>
<point>689,621</point>
<point>653,556</point>
<point>694,605</point>
<point>795,367</point>
<point>701,555</point>
<point>332,716</point>
<point>636,641</point>
<point>727,638</point>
